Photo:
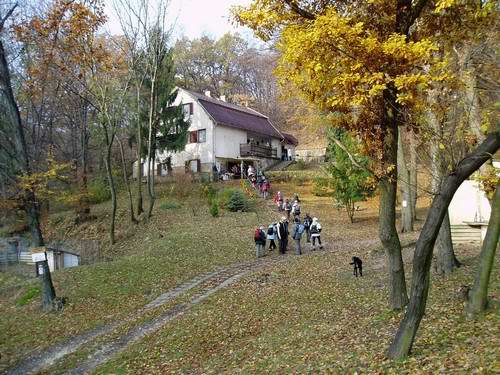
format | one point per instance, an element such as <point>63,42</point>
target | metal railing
<point>251,149</point>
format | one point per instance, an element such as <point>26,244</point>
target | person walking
<point>282,235</point>
<point>260,241</point>
<point>278,200</point>
<point>296,210</point>
<point>298,230</point>
<point>316,233</point>
<point>288,209</point>
<point>266,186</point>
<point>307,225</point>
<point>271,236</point>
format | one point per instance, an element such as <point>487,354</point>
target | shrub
<point>208,191</point>
<point>98,190</point>
<point>237,202</point>
<point>299,165</point>
<point>169,205</point>
<point>214,208</point>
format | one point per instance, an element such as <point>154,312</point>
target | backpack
<point>288,207</point>
<point>256,236</point>
<point>270,231</point>
<point>314,229</point>
<point>300,229</point>
<point>297,210</point>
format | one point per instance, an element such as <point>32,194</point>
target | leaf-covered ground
<point>309,315</point>
<point>148,260</point>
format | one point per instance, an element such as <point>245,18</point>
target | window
<point>187,109</point>
<point>193,137</point>
<point>202,136</point>
<point>198,136</point>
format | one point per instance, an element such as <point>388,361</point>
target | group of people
<point>259,182</point>
<point>279,232</point>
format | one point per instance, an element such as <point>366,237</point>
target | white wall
<point>199,120</point>
<point>469,204</point>
<point>276,143</point>
<point>228,140</point>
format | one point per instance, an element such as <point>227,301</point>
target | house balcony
<point>251,149</point>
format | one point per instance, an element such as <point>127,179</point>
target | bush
<point>98,190</point>
<point>208,191</point>
<point>169,205</point>
<point>214,208</point>
<point>299,165</point>
<point>237,202</point>
<point>224,196</point>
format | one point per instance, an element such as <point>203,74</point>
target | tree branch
<point>416,10</point>
<point>351,157</point>
<point>9,13</point>
<point>300,11</point>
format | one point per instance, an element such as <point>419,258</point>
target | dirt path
<point>209,283</point>
<point>102,349</point>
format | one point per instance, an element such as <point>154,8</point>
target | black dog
<point>358,266</point>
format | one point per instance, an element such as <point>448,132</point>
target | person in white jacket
<point>315,233</point>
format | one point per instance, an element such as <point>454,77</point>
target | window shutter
<point>190,108</point>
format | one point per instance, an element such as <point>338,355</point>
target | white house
<point>224,135</point>
<point>470,212</point>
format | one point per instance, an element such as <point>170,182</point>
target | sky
<point>193,18</point>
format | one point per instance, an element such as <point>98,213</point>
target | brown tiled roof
<point>290,139</point>
<point>237,116</point>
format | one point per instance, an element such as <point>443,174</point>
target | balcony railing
<point>251,149</point>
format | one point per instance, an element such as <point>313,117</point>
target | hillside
<point>214,309</point>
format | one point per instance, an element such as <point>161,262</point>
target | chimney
<point>207,93</point>
<point>223,98</point>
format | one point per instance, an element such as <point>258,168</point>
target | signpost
<point>42,269</point>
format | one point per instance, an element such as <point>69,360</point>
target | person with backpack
<point>307,225</point>
<point>298,230</point>
<point>278,200</point>
<point>316,233</point>
<point>288,209</point>
<point>266,186</point>
<point>271,236</point>
<point>260,241</point>
<point>282,235</point>
<point>296,210</point>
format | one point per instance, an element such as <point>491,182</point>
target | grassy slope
<point>312,316</point>
<point>308,315</point>
<point>144,265</point>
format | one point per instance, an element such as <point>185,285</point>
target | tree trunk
<point>405,187</point>
<point>127,184</point>
<point>478,297</point>
<point>111,183</point>
<point>48,292</point>
<point>403,341</point>
<point>413,175</point>
<point>83,209</point>
<point>151,157</point>
<point>22,163</point>
<point>387,211</point>
<point>138,167</point>
<point>445,260</point>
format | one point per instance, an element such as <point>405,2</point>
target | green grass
<point>148,259</point>
<point>31,293</point>
<point>169,205</point>
<point>306,316</point>
<point>311,319</point>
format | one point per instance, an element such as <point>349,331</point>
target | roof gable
<point>237,116</point>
